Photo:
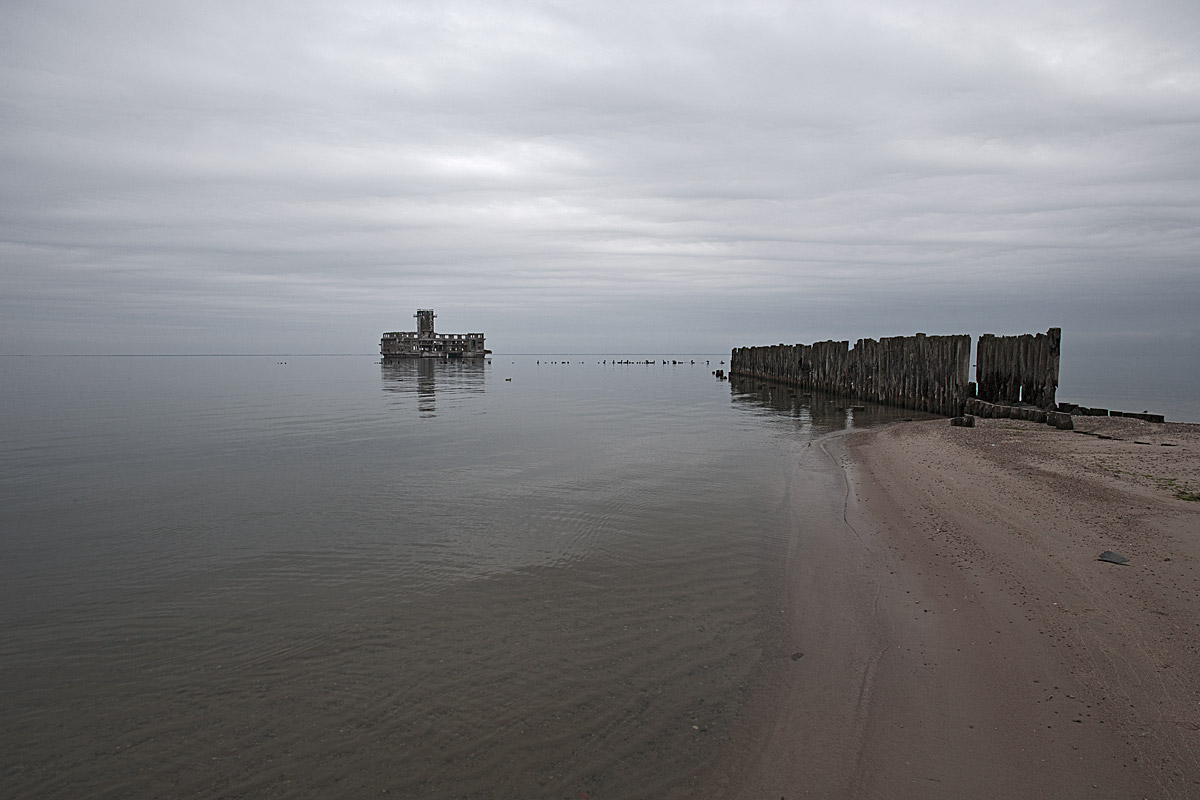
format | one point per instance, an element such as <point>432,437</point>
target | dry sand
<point>955,635</point>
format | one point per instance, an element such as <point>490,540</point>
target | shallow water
<point>323,576</point>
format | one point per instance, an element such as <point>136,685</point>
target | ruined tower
<point>424,342</point>
<point>425,317</point>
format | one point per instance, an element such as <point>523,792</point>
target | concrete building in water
<point>425,343</point>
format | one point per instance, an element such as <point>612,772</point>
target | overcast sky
<point>597,176</point>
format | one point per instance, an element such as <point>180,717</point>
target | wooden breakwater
<point>1016,376</point>
<point>1018,369</point>
<point>926,373</point>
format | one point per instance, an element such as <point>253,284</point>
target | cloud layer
<point>233,177</point>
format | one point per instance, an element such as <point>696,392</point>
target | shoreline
<point>958,636</point>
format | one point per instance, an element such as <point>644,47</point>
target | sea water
<point>281,576</point>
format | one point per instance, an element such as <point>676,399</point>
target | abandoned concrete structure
<point>424,342</point>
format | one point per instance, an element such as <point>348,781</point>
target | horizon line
<point>273,355</point>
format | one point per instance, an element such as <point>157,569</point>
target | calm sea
<point>542,576</point>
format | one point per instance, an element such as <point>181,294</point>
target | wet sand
<point>954,634</point>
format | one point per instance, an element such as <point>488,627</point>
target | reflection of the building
<point>425,377</point>
<point>825,412</point>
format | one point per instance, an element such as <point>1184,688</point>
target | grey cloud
<point>228,176</point>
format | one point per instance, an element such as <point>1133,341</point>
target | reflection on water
<point>819,412</point>
<point>425,377</point>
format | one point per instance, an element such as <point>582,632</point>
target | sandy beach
<point>955,634</point>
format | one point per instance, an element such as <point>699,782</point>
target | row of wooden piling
<point>1018,369</point>
<point>926,373</point>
